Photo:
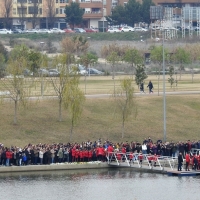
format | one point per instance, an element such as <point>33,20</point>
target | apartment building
<point>50,13</point>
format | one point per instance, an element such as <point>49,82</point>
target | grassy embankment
<point>92,36</point>
<point>40,122</point>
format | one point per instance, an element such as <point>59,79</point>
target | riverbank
<point>53,167</point>
<point>76,166</point>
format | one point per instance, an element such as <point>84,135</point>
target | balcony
<point>93,14</point>
<point>90,1</point>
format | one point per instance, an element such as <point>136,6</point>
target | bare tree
<point>51,13</point>
<point>34,11</point>
<point>22,11</point>
<point>7,8</point>
<point>126,105</point>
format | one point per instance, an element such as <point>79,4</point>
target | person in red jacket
<point>81,155</point>
<point>85,155</point>
<point>198,167</point>
<point>150,158</point>
<point>140,158</point>
<point>100,153</point>
<point>9,155</point>
<point>119,156</point>
<point>131,156</point>
<point>187,160</point>
<point>90,155</point>
<point>73,154</point>
<point>155,158</point>
<point>77,155</point>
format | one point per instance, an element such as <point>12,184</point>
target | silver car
<point>56,30</point>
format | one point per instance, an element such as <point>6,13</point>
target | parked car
<point>27,72</point>
<point>43,72</point>
<point>31,31</point>
<point>5,31</point>
<point>127,29</point>
<point>91,30</point>
<point>113,30</point>
<point>82,70</point>
<point>43,31</point>
<point>92,71</point>
<point>17,31</point>
<point>68,30</point>
<point>56,30</point>
<point>79,30</point>
<point>53,72</point>
<point>140,29</point>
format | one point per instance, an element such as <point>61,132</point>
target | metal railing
<point>142,159</point>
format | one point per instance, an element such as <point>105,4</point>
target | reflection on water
<point>97,184</point>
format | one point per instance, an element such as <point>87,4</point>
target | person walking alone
<point>150,86</point>
<point>180,161</point>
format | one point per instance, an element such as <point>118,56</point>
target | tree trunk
<point>123,128</point>
<point>85,82</point>
<point>113,77</point>
<point>15,114</point>
<point>71,130</point>
<point>180,72</point>
<point>133,71</point>
<point>192,75</point>
<point>60,109</point>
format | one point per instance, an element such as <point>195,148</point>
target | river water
<point>105,184</point>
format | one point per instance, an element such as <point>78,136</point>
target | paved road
<point>96,96</point>
<point>146,94</point>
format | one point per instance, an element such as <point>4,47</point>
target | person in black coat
<point>180,161</point>
<point>142,88</point>
<point>150,86</point>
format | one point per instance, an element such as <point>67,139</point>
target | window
<point>14,11</point>
<point>32,10</point>
<point>57,11</point>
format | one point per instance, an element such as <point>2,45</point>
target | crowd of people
<point>45,154</point>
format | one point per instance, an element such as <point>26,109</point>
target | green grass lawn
<point>39,123</point>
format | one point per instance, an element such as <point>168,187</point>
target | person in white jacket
<point>41,154</point>
<point>144,148</point>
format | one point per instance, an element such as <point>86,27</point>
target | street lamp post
<point>42,78</point>
<point>164,95</point>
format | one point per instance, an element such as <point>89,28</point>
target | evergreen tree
<point>74,14</point>
<point>140,74</point>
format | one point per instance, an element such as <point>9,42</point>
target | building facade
<point>28,14</point>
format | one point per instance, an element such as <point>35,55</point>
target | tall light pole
<point>42,80</point>
<point>164,95</point>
